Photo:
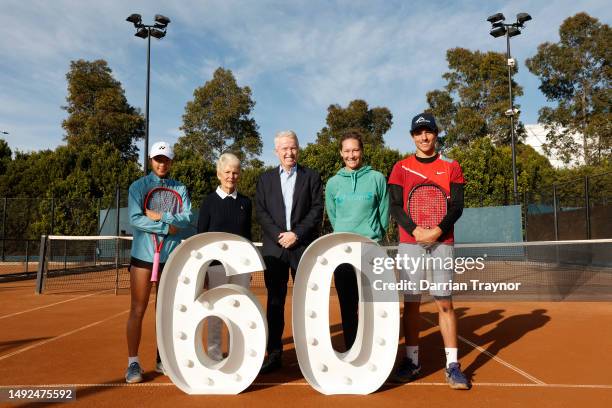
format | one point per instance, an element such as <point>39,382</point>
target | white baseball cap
<point>161,149</point>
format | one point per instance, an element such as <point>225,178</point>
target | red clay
<point>542,353</point>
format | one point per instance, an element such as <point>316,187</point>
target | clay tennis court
<point>517,353</point>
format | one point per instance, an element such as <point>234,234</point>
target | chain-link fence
<point>24,220</point>
<point>576,209</point>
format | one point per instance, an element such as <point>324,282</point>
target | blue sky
<point>298,57</point>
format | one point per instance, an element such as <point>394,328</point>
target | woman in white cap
<point>145,223</point>
<point>224,210</point>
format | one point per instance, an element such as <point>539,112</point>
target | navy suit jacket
<point>306,212</point>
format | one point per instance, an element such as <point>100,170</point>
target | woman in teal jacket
<point>356,201</point>
<point>144,223</point>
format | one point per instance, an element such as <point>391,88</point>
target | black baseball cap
<point>424,120</point>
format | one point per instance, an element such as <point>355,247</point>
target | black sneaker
<point>272,363</point>
<point>406,371</point>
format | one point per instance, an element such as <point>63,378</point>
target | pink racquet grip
<point>155,270</point>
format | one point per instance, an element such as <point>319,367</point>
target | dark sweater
<point>225,215</point>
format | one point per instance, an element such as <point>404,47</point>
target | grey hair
<point>286,133</point>
<point>226,159</point>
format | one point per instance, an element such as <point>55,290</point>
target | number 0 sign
<point>366,366</point>
<point>183,306</point>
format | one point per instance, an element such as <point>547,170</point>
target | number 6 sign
<point>183,306</point>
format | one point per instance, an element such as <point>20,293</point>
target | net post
<point>42,260</point>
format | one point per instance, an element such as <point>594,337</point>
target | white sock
<point>412,352</point>
<point>133,360</point>
<point>451,355</point>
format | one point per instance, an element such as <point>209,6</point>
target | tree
<point>326,160</point>
<point>575,73</point>
<point>65,185</point>
<point>197,174</point>
<point>371,123</point>
<point>488,175</point>
<point>475,97</point>
<point>89,179</point>
<point>98,111</point>
<point>5,156</point>
<point>218,120</point>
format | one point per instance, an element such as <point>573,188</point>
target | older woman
<point>224,210</point>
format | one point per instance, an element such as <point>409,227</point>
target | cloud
<point>297,56</point>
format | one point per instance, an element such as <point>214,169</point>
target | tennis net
<point>547,270</point>
<point>83,263</point>
<point>579,270</point>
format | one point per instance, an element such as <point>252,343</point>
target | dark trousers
<point>276,277</point>
<point>348,296</point>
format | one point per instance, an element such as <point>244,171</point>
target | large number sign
<point>366,366</point>
<point>183,305</point>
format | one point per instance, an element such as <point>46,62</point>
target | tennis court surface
<point>517,353</point>
<point>528,352</point>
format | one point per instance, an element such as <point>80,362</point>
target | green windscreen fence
<point>490,224</point>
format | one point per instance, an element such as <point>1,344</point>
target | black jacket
<point>306,213</point>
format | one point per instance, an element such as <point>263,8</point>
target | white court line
<point>54,304</point>
<point>494,357</point>
<point>40,343</point>
<point>300,384</point>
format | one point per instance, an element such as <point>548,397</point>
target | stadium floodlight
<point>495,18</point>
<point>135,19</point>
<point>144,31</point>
<point>498,29</point>
<point>162,20</point>
<point>512,112</point>
<point>521,18</point>
<point>154,32</point>
<point>512,31</point>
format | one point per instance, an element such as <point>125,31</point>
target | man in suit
<point>289,208</point>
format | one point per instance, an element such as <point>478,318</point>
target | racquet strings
<point>162,200</point>
<point>427,206</point>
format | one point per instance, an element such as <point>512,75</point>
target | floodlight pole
<point>512,134</point>
<point>145,160</point>
<point>157,30</point>
<point>498,29</point>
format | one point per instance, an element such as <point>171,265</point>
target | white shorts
<point>426,270</point>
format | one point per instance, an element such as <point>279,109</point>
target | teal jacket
<point>144,227</point>
<point>357,201</point>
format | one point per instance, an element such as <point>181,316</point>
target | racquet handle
<point>155,270</point>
